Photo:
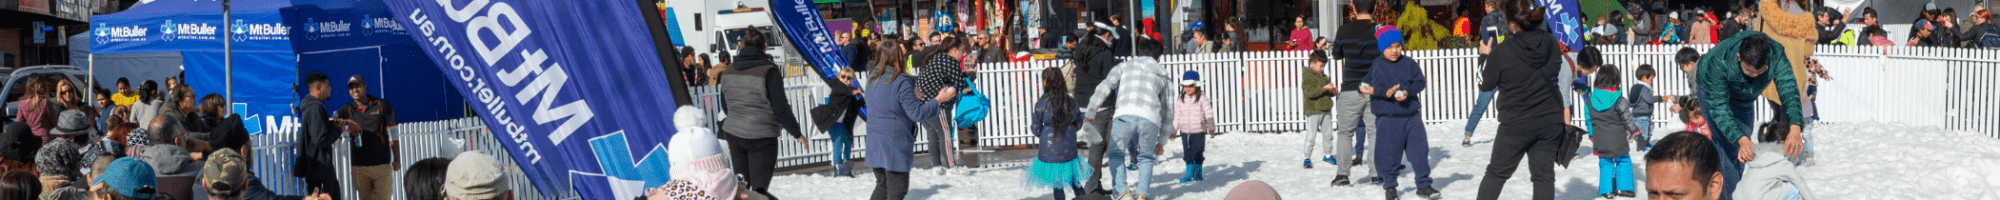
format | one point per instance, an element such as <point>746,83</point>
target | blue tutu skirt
<point>1061,175</point>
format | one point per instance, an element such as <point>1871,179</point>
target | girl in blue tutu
<point>1056,120</point>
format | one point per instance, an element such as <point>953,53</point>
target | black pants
<point>755,159</point>
<point>1192,147</point>
<point>890,185</point>
<point>326,182</point>
<point>1538,142</point>
<point>1103,124</point>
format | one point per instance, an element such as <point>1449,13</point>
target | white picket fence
<point>274,156</point>
<point>1948,88</point>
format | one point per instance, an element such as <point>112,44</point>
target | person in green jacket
<point>1729,99</point>
<point>1318,91</point>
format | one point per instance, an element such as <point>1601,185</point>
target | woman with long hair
<point>36,108</point>
<point>939,71</point>
<point>1057,120</point>
<point>894,112</point>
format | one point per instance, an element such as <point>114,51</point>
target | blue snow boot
<point>1309,163</point>
<point>1191,170</point>
<point>1330,161</point>
<point>1197,172</point>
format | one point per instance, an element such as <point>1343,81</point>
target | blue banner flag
<point>578,105</point>
<point>1564,22</point>
<point>807,31</point>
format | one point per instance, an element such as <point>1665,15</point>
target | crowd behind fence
<point>1950,88</point>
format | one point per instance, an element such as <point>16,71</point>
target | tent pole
<point>228,59</point>
<point>92,60</point>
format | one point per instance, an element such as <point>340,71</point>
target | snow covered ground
<point>1854,161</point>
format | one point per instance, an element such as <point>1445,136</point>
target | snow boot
<point>1309,163</point>
<point>1197,172</point>
<point>1467,143</point>
<point>842,170</point>
<point>1429,193</point>
<point>1189,176</point>
<point>1627,194</point>
<point>1390,193</point>
<point>1341,181</point>
<point>1330,161</point>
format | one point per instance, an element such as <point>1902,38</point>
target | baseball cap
<point>223,173</point>
<point>16,143</point>
<point>59,157</point>
<point>1190,77</point>
<point>355,80</point>
<point>130,177</point>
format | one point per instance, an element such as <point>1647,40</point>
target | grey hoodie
<point>177,172</point>
<point>1767,176</point>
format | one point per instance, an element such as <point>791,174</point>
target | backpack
<point>972,106</point>
<point>1989,38</point>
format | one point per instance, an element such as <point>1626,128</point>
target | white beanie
<point>693,141</point>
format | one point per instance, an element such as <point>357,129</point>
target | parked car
<point>15,85</point>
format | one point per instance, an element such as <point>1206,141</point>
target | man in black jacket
<point>1094,60</point>
<point>315,138</point>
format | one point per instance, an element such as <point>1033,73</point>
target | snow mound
<point>1853,161</point>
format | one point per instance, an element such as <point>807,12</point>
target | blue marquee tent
<point>272,43</point>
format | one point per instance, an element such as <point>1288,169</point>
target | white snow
<point>1854,161</point>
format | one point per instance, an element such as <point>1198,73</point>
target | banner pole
<point>228,59</point>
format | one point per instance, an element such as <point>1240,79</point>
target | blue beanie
<point>1383,41</point>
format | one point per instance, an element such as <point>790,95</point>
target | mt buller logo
<point>107,33</point>
<point>167,30</point>
<point>259,31</point>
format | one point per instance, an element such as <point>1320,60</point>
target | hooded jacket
<point>1095,61</point>
<point>1771,175</point>
<point>1524,69</point>
<point>1609,123</point>
<point>176,171</point>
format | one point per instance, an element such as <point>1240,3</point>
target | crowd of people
<point>164,141</point>
<point>1102,109</point>
<point>1657,23</point>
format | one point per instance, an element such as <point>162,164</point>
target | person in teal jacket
<point>1731,77</point>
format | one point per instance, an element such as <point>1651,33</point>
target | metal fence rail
<point>1259,91</point>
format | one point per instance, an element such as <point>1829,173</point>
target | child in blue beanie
<point>1399,124</point>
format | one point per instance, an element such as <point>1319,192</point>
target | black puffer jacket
<point>1524,69</point>
<point>1094,60</point>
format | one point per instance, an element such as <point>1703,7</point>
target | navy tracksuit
<point>1399,126</point>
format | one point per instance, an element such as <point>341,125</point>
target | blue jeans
<point>1645,131</point>
<point>1478,109</point>
<point>843,142</point>
<point>1614,174</point>
<point>1732,171</point>
<point>1135,137</point>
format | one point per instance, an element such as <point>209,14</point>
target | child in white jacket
<point>1772,175</point>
